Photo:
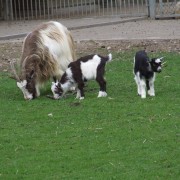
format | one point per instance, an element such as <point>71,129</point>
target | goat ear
<point>34,57</point>
<point>161,58</point>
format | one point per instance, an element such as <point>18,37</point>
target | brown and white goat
<point>46,53</point>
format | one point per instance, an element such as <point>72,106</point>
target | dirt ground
<point>153,35</point>
<point>11,51</point>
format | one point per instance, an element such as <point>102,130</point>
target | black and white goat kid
<point>145,70</point>
<point>91,67</point>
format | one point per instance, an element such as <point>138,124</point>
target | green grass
<point>118,137</point>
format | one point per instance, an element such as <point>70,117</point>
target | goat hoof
<point>151,94</point>
<point>77,97</point>
<point>102,94</point>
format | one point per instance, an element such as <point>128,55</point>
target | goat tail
<point>109,57</point>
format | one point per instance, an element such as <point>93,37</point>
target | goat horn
<point>16,77</point>
<point>163,63</point>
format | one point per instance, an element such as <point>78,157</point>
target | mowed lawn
<point>117,137</point>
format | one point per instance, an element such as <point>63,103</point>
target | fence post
<point>1,9</point>
<point>152,7</point>
<point>7,9</point>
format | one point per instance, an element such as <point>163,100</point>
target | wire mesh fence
<point>167,8</point>
<point>43,9</point>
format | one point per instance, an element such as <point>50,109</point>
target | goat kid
<point>145,70</point>
<point>47,51</point>
<point>91,67</point>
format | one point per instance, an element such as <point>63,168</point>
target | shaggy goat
<point>144,71</point>
<point>90,67</point>
<point>47,51</point>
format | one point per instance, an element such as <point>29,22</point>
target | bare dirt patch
<point>11,51</point>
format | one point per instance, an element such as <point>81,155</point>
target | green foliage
<point>118,137</point>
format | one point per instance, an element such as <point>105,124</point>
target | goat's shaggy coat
<point>90,67</point>
<point>144,71</point>
<point>47,51</point>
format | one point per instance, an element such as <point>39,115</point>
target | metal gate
<point>49,9</point>
<point>167,8</point>
<point>1,10</point>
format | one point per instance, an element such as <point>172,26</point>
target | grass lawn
<point>117,137</point>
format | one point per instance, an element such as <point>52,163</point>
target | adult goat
<point>47,52</point>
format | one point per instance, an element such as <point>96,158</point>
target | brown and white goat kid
<point>46,53</point>
<point>91,67</point>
